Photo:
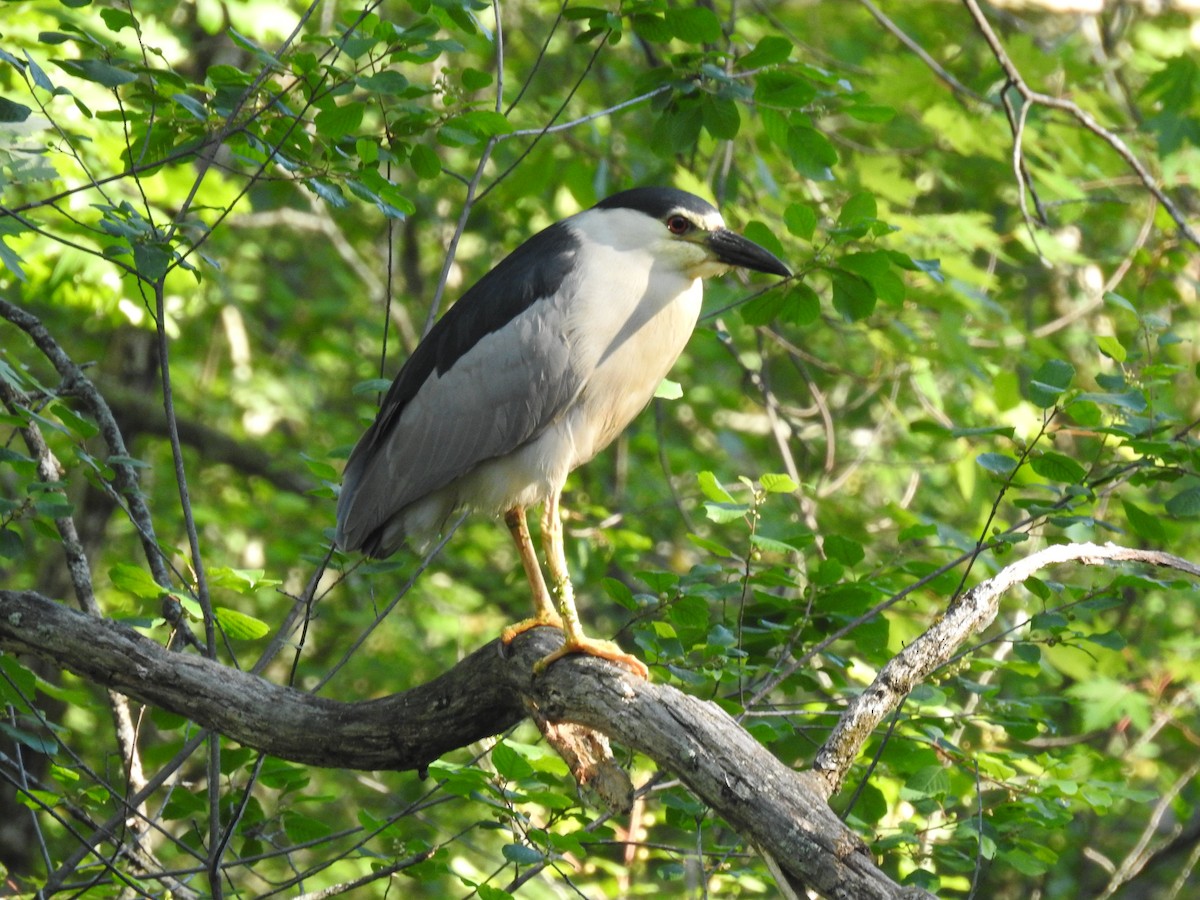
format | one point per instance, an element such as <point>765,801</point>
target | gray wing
<point>475,389</point>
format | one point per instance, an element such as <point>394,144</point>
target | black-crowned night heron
<point>535,370</point>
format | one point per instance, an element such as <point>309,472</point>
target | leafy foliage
<point>211,204</point>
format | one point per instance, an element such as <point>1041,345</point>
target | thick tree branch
<point>775,808</point>
<point>973,612</point>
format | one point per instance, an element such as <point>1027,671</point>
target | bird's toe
<point>509,634</point>
<point>602,649</point>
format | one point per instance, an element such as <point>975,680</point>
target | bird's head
<point>686,232</point>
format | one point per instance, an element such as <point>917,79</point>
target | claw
<point>509,634</point>
<point>602,649</point>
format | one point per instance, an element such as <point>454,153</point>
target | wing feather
<point>493,373</point>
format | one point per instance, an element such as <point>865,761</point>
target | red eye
<point>678,225</point>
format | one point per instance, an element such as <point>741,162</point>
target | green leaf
<point>11,111</point>
<point>303,829</point>
<point>759,233</point>
<point>184,805</point>
<point>930,781</point>
<point>1133,400</point>
<point>620,592</point>
<point>43,745</point>
<point>193,106</point>
<point>1185,504</point>
<point>474,79</point>
<point>694,24</point>
<point>1048,621</point>
<point>801,305</point>
<point>770,545</point>
<point>783,89</point>
<point>327,191</point>
<point>387,82</point>
<point>857,209</point>
<point>35,71</point>
<point>846,551</point>
<point>763,309</point>
<point>997,463</point>
<point>240,626</point>
<point>721,118</point>
<point>801,220</point>
<point>1110,640</point>
<point>509,763</point>
<point>336,122</point>
<point>11,545</point>
<point>679,128</point>
<point>151,260</point>
<point>1025,863</point>
<point>1049,382</point>
<point>778,484</point>
<point>711,547</point>
<point>1026,652</point>
<point>811,153</point>
<point>487,892</point>
<point>668,390</point>
<point>133,580</point>
<point>283,776</point>
<point>723,513</point>
<point>1144,525</point>
<point>522,855</point>
<point>425,162</point>
<point>866,112</point>
<point>367,151</point>
<point>1111,347</point>
<point>1057,467</point>
<point>76,424</point>
<point>769,51</point>
<point>116,19</point>
<point>371,386</point>
<point>853,296</point>
<point>96,71</point>
<point>875,268</point>
<point>690,613</point>
<point>651,28</point>
<point>713,489</point>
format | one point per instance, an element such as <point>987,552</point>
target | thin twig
<point>969,614</point>
<point>921,53</point>
<point>1084,118</point>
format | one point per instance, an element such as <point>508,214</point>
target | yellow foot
<point>602,649</point>
<point>510,633</point>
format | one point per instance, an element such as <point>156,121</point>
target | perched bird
<point>535,370</point>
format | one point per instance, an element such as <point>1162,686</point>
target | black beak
<point>734,250</point>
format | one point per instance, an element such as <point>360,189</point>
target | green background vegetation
<point>269,192</point>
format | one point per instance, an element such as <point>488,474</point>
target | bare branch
<point>1082,116</point>
<point>921,53</point>
<point>973,611</point>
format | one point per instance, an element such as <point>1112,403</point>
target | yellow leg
<point>543,605</point>
<point>560,580</point>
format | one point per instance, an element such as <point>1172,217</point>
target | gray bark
<point>781,812</point>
